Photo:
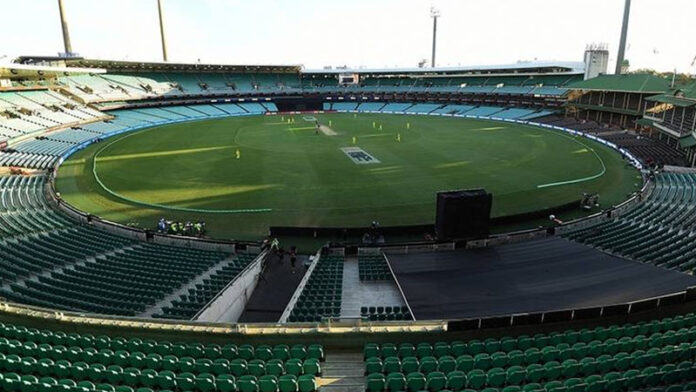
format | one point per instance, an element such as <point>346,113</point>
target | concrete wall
<point>229,304</point>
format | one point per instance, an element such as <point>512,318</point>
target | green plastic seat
<point>373,365</point>
<point>476,379</point>
<point>312,367</point>
<point>247,383</point>
<point>307,383</point>
<point>274,367</point>
<point>391,365</point>
<point>316,351</point>
<point>293,367</point>
<point>299,351</point>
<point>268,383</point>
<point>238,367</point>
<point>396,382</point>
<point>428,365</point>
<point>166,379</point>
<point>263,352</point>
<point>131,376</point>
<point>424,350</point>
<point>246,351</point>
<point>574,385</point>
<point>281,352</point>
<point>185,381</point>
<point>435,381</point>
<point>446,364</point>
<point>456,380</point>
<point>515,375</point>
<point>148,377</point>
<point>371,350</point>
<point>614,382</point>
<point>375,382</point>
<point>288,383</point>
<point>415,382</point>
<point>256,368</point>
<point>595,383</point>
<point>554,386</point>
<point>226,383</point>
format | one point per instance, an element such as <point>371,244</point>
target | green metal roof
<point>687,141</point>
<point>645,122</point>
<point>630,83</point>
<point>671,99</point>
<point>684,96</point>
<point>601,108</point>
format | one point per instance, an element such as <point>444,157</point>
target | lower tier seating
<point>48,360</point>
<point>197,297</point>
<point>641,356</point>
<point>321,297</point>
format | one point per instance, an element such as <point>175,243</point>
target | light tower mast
<point>64,26</point>
<point>622,41</point>
<point>161,25</point>
<point>434,13</point>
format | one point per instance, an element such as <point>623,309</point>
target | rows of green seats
<point>24,257</point>
<point>382,313</point>
<point>321,296</point>
<point>59,269</point>
<point>604,359</point>
<point>156,270</point>
<point>24,209</point>
<point>373,267</point>
<point>659,231</point>
<point>36,360</point>
<point>189,304</point>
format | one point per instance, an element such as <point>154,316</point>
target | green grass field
<point>190,170</point>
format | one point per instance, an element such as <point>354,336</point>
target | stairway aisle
<point>343,372</point>
<point>357,293</point>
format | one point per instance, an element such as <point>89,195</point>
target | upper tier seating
<point>44,151</point>
<point>660,231</point>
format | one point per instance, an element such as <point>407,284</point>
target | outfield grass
<point>300,178</point>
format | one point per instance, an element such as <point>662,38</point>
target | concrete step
<point>344,357</point>
<point>342,388</point>
<point>343,381</point>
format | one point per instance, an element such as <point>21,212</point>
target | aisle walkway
<point>357,294</point>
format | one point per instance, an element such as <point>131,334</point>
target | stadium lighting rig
<point>434,13</point>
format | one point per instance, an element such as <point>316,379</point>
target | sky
<point>356,33</point>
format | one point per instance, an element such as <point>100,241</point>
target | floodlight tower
<point>161,25</point>
<point>622,41</point>
<point>64,27</point>
<point>434,13</point>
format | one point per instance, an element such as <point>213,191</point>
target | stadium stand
<point>47,360</point>
<point>50,261</point>
<point>23,209</point>
<point>659,231</point>
<point>651,354</point>
<point>373,267</point>
<point>321,296</point>
<point>197,297</point>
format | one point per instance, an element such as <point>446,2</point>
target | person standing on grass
<point>293,257</point>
